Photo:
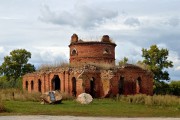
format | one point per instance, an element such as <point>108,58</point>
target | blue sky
<point>44,27</point>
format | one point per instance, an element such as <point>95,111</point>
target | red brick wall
<point>105,83</point>
<point>93,52</point>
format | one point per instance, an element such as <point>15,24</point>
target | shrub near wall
<point>161,100</point>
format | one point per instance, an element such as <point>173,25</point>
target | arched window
<point>138,85</point>
<point>121,85</point>
<point>26,85</point>
<point>39,85</point>
<point>74,86</point>
<point>56,83</point>
<point>106,51</point>
<point>32,85</point>
<point>74,52</point>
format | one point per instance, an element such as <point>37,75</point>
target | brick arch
<point>74,52</point>
<point>32,85</point>
<point>39,85</point>
<point>138,85</point>
<point>56,83</point>
<point>74,86</point>
<point>26,84</point>
<point>121,84</point>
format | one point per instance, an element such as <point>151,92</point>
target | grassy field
<point>99,107</point>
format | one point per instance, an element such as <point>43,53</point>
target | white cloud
<point>80,16</point>
<point>132,22</point>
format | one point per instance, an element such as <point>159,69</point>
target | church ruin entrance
<point>26,85</point>
<point>32,85</point>
<point>138,85</point>
<point>74,86</point>
<point>92,87</point>
<point>56,83</point>
<point>121,85</point>
<point>39,85</point>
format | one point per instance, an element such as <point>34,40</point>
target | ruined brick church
<point>92,70</point>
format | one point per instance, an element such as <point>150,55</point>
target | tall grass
<point>2,107</point>
<point>161,100</point>
<point>17,94</point>
<point>61,64</point>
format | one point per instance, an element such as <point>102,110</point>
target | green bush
<point>175,87</point>
<point>4,83</point>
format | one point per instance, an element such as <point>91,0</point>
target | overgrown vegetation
<point>18,95</point>
<point>173,88</point>
<point>123,61</point>
<point>160,100</point>
<point>99,107</point>
<point>2,107</point>
<point>16,101</point>
<point>5,84</point>
<point>62,64</point>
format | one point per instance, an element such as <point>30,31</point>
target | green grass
<point>99,107</point>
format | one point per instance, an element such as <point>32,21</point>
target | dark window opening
<point>92,87</point>
<point>39,85</point>
<point>56,83</point>
<point>138,85</point>
<point>74,52</point>
<point>121,85</point>
<point>26,85</point>
<point>74,86</point>
<point>106,51</point>
<point>32,85</point>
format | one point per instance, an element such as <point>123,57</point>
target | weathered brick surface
<point>94,71</point>
<point>92,53</point>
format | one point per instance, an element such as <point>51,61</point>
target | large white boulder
<point>84,98</point>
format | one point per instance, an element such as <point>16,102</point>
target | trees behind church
<point>157,61</point>
<point>14,67</point>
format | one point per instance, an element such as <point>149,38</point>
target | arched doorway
<point>92,87</point>
<point>74,86</point>
<point>39,85</point>
<point>56,83</point>
<point>26,85</point>
<point>121,85</point>
<point>32,85</point>
<point>138,85</point>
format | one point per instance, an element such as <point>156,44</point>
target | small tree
<point>123,61</point>
<point>16,65</point>
<point>157,60</point>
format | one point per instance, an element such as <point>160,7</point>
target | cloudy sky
<point>44,27</point>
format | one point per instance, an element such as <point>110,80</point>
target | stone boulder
<point>51,97</point>
<point>84,98</point>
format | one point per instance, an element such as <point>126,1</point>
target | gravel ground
<point>44,117</point>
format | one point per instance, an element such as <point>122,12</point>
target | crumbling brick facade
<point>92,70</point>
